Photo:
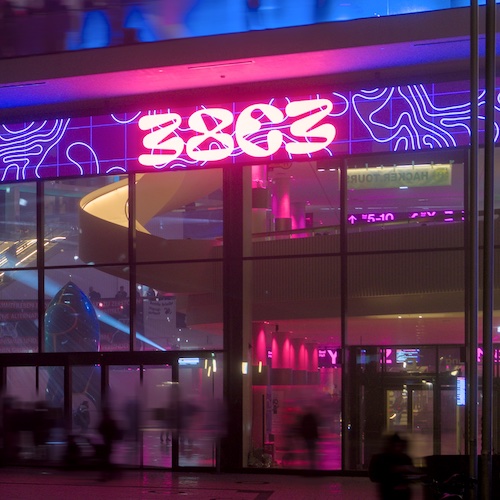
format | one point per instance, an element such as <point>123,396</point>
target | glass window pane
<point>201,411</point>
<point>85,399</point>
<point>18,225</point>
<point>406,298</point>
<point>18,311</point>
<point>21,383</point>
<point>125,397</point>
<point>296,361</point>
<point>291,204</point>
<point>32,420</point>
<point>178,215</point>
<point>75,322</point>
<point>51,391</point>
<point>406,204</point>
<point>182,306</point>
<point>82,217</point>
<point>158,424</point>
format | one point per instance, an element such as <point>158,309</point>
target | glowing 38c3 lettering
<point>215,143</point>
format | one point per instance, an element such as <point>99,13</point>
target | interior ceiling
<point>412,47</point>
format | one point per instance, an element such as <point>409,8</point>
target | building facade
<point>219,235</point>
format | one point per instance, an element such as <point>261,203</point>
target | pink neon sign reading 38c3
<point>257,132</point>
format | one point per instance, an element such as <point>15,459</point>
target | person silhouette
<point>94,295</point>
<point>392,469</point>
<point>308,429</point>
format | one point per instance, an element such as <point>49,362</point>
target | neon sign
<point>480,355</point>
<point>329,357</point>
<point>399,176</point>
<point>417,216</point>
<point>214,134</point>
<point>282,129</point>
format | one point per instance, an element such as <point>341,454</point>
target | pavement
<point>54,484</point>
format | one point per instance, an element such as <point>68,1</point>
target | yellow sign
<point>399,176</point>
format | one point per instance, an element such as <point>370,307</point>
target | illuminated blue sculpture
<point>71,325</point>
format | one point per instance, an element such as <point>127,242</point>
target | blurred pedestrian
<point>393,469</point>
<point>308,429</point>
<point>110,433</point>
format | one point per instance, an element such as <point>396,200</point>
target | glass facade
<point>275,282</point>
<point>353,310</point>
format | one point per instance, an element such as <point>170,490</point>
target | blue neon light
<point>402,118</point>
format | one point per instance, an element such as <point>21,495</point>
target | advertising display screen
<point>460,391</point>
<point>328,357</point>
<point>407,355</point>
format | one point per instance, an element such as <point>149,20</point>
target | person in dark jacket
<point>393,469</point>
<point>308,429</point>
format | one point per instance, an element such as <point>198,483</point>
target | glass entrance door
<point>171,414</point>
<point>200,410</point>
<point>140,398</point>
<point>409,410</point>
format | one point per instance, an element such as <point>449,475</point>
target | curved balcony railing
<point>30,27</point>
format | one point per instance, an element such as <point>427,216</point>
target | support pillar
<point>237,295</point>
<point>281,203</point>
<point>281,373</point>
<point>313,375</point>
<point>298,216</point>
<point>299,362</point>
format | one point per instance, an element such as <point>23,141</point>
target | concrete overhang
<point>410,48</point>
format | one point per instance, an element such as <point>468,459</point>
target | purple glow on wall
<point>311,127</point>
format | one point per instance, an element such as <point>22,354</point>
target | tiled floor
<point>40,483</point>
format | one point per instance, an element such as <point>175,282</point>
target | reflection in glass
<point>71,323</point>
<point>100,289</point>
<point>21,383</point>
<point>19,311</point>
<point>18,225</point>
<point>159,394</point>
<point>126,399</point>
<point>201,412</point>
<point>292,202</point>
<point>178,216</point>
<point>183,310</point>
<point>288,374</point>
<point>385,216</point>
<point>82,214</point>
<point>30,424</point>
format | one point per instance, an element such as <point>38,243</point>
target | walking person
<point>393,469</point>
<point>110,433</point>
<point>308,429</point>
